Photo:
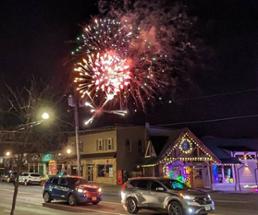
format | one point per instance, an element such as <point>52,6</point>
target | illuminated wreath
<point>186,146</point>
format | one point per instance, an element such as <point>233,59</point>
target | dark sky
<point>35,39</point>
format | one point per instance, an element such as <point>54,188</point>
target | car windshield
<point>174,184</point>
<point>35,175</point>
<point>77,181</point>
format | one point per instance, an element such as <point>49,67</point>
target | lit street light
<point>45,116</point>
<point>8,153</point>
<point>68,151</point>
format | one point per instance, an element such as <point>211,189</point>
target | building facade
<point>111,155</point>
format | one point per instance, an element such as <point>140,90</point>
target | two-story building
<point>110,154</point>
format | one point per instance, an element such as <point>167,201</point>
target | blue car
<point>73,189</point>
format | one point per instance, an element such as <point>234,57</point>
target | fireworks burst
<point>116,64</point>
<point>106,72</point>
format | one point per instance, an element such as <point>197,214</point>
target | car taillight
<point>124,186</point>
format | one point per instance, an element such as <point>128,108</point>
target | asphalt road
<point>30,202</point>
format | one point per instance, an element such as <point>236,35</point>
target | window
<point>128,145</point>
<point>222,174</point>
<point>35,175</point>
<point>99,145</point>
<point>239,157</point>
<point>55,180</point>
<point>63,181</point>
<point>217,174</point>
<point>110,145</point>
<point>104,144</point>
<point>248,156</point>
<point>155,185</point>
<point>142,184</point>
<point>105,170</point>
<point>140,147</point>
<point>228,175</point>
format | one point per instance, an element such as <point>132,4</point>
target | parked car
<point>9,177</point>
<point>28,178</point>
<point>164,194</point>
<point>73,189</point>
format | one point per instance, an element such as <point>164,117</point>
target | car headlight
<point>99,190</point>
<point>80,190</point>
<point>209,197</point>
<point>188,197</point>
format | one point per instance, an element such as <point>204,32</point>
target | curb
<point>77,209</point>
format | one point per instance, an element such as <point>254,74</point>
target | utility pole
<point>73,102</point>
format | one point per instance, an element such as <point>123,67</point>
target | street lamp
<point>45,116</point>
<point>68,151</point>
<point>8,153</point>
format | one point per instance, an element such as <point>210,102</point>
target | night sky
<point>36,41</point>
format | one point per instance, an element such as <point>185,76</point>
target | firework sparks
<point>106,72</point>
<point>95,111</point>
<point>114,66</point>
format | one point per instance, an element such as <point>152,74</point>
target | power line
<point>211,120</point>
<point>220,94</point>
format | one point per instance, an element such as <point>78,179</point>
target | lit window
<point>228,175</point>
<point>105,170</point>
<point>217,174</point>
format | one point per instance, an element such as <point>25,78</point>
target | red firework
<point>111,73</point>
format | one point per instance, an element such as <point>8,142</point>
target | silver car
<point>164,194</point>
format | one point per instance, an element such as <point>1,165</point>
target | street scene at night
<point>129,107</point>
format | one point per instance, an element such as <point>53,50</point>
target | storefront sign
<point>52,167</point>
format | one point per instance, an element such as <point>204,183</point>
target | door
<point>198,177</point>
<point>90,172</point>
<point>157,194</point>
<point>62,188</point>
<point>53,188</point>
<point>142,192</point>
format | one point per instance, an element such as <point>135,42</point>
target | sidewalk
<point>117,189</point>
<point>111,188</point>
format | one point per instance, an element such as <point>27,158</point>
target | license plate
<point>94,198</point>
<point>207,207</point>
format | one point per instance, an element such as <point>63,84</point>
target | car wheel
<point>131,206</point>
<point>47,197</point>
<point>72,200</point>
<point>174,208</point>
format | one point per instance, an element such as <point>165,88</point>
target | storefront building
<point>209,163</point>
<point>110,155</point>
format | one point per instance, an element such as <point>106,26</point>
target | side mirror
<point>160,189</point>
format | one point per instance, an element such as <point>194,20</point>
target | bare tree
<point>28,131</point>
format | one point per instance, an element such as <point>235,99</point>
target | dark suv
<point>73,189</point>
<point>164,194</point>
